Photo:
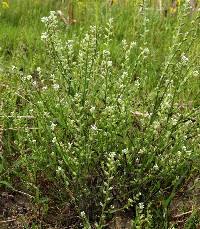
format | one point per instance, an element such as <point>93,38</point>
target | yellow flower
<point>173,10</point>
<point>113,2</point>
<point>5,5</point>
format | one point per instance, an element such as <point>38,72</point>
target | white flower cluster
<point>50,22</point>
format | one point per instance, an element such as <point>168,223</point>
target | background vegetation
<point>99,115</point>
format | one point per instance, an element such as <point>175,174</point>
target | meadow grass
<point>100,119</point>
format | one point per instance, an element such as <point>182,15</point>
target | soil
<point>16,211</point>
<point>19,211</point>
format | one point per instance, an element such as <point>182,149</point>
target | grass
<point>97,130</point>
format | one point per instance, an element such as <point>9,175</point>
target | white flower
<point>13,67</point>
<point>38,69</point>
<point>196,73</point>
<point>29,77</point>
<point>184,59</point>
<point>52,76</point>
<point>124,43</point>
<point>87,37</point>
<point>146,51</point>
<point>109,63</point>
<point>46,114</point>
<point>69,145</point>
<point>130,200</point>
<point>54,140</point>
<point>179,153</point>
<point>59,169</point>
<point>184,148</point>
<point>141,206</point>
<point>124,151</point>
<point>34,83</point>
<point>83,214</point>
<point>174,121</point>
<point>44,36</point>
<point>53,125</point>
<point>110,21</point>
<point>44,88</point>
<point>106,52</point>
<point>56,87</point>
<point>119,100</point>
<point>52,153</point>
<point>112,154</point>
<point>133,44</point>
<point>44,19</point>
<point>94,127</point>
<point>69,43</point>
<point>141,151</point>
<point>124,75</point>
<point>156,167</point>
<point>92,109</point>
<point>137,83</point>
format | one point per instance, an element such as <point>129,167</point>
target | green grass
<point>95,127</point>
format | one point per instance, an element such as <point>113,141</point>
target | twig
<point>22,97</point>
<point>183,214</point>
<point>62,17</point>
<point>21,128</point>
<point>1,141</point>
<point>24,193</point>
<point>140,114</point>
<point>7,221</point>
<point>19,117</point>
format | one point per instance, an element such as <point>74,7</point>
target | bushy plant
<point>105,135</point>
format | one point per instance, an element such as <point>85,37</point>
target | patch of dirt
<point>186,202</point>
<point>120,222</point>
<point>16,211</point>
